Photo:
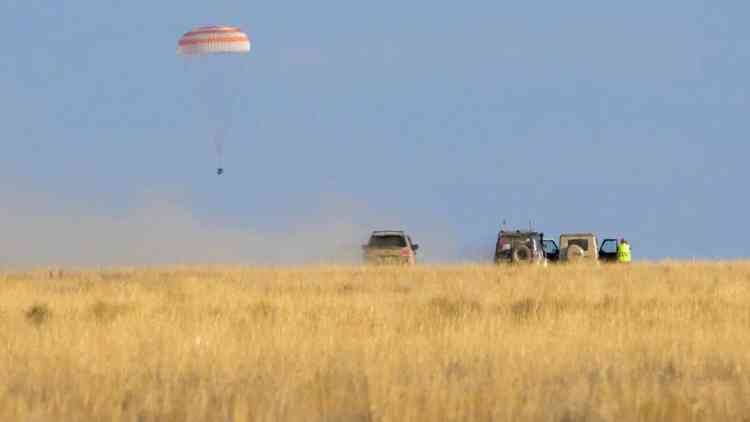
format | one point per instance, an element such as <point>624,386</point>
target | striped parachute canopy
<point>215,57</point>
<point>213,40</point>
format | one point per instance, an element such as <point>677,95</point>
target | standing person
<point>623,252</point>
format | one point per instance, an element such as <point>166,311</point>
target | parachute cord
<point>219,137</point>
<point>219,152</point>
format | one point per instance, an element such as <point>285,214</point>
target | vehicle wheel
<point>574,253</point>
<point>521,254</point>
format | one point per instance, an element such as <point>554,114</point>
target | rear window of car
<point>506,242</point>
<point>582,243</point>
<point>388,241</point>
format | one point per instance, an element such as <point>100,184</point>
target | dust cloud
<point>43,231</point>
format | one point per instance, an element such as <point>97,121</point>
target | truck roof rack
<point>388,232</point>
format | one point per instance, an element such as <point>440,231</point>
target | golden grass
<point>646,342</point>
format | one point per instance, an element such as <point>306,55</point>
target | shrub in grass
<point>38,314</point>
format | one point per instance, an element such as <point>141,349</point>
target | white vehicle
<point>390,247</point>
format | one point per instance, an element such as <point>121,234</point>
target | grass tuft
<point>454,308</point>
<point>525,309</point>
<point>38,314</point>
<point>106,312</point>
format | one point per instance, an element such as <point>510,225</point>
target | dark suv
<point>519,247</point>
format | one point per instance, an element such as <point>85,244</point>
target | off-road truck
<point>390,247</point>
<point>580,247</point>
<point>519,247</point>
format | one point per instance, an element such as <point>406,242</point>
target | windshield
<point>388,241</point>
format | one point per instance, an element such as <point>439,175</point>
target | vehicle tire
<point>574,253</point>
<point>521,254</point>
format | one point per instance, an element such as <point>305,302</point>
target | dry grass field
<point>647,342</point>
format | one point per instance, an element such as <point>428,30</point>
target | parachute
<point>213,40</point>
<point>215,57</point>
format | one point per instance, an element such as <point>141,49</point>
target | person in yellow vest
<point>623,252</point>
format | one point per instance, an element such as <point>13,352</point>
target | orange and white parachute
<point>215,57</point>
<point>213,40</point>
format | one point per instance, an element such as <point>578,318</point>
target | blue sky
<point>445,119</point>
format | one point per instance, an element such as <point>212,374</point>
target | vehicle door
<point>551,250</point>
<point>608,250</point>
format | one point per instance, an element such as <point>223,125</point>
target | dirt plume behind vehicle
<point>161,228</point>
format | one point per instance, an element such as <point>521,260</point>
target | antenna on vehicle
<point>530,225</point>
<point>502,226</point>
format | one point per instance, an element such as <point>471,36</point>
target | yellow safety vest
<point>623,252</point>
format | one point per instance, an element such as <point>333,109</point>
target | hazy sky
<point>444,118</point>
